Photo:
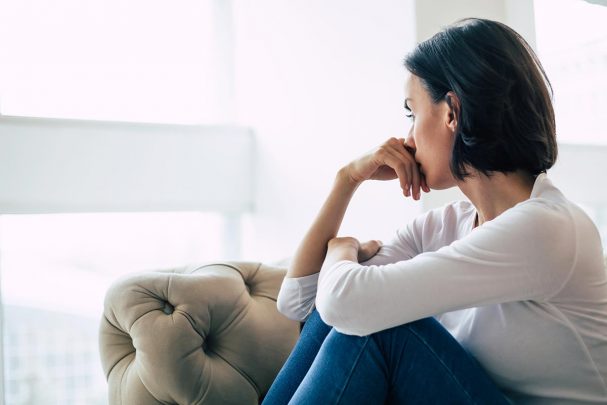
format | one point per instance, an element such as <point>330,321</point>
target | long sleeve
<point>526,253</point>
<point>296,298</point>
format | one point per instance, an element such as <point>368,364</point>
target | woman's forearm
<point>389,161</point>
<point>310,254</point>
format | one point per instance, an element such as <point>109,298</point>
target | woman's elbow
<point>291,311</point>
<point>332,311</point>
<point>341,315</point>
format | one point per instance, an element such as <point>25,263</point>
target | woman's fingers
<point>414,168</point>
<point>424,184</point>
<point>398,147</point>
<point>368,249</point>
<point>389,161</point>
<point>413,182</point>
<point>392,159</point>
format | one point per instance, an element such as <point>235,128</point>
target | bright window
<point>572,45</point>
<point>571,39</point>
<point>136,60</point>
<point>149,61</point>
<point>55,271</point>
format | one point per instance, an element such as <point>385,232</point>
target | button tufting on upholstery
<point>168,308</point>
<point>235,340</point>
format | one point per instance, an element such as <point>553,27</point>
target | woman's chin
<point>440,184</point>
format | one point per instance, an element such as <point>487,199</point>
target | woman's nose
<point>410,142</point>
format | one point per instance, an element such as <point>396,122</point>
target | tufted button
<point>168,308</point>
<point>206,344</point>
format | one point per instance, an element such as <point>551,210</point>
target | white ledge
<point>57,165</point>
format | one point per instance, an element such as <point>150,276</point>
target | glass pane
<point>572,45</point>
<point>598,213</point>
<point>136,60</point>
<point>55,270</point>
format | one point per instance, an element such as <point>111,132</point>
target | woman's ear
<point>454,110</point>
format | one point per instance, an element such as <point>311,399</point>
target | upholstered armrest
<point>206,334</point>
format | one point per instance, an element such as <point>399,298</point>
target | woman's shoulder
<point>451,214</point>
<point>453,209</point>
<point>440,226</point>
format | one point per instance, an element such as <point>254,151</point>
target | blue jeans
<point>418,363</point>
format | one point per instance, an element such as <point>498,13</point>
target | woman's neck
<point>493,195</point>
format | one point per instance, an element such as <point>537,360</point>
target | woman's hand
<point>346,248</point>
<point>389,161</point>
<point>368,249</point>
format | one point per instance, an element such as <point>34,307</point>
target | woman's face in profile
<point>431,134</point>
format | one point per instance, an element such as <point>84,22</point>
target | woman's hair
<point>506,119</point>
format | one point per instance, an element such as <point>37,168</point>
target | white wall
<point>432,15</point>
<point>320,83</point>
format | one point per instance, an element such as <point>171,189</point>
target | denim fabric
<point>417,363</point>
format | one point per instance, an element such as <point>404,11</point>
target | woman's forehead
<point>412,87</point>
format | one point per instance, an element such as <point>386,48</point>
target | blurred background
<point>146,134</point>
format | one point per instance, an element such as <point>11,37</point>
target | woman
<point>500,299</point>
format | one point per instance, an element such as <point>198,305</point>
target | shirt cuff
<point>297,295</point>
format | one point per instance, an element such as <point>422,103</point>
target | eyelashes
<point>408,110</point>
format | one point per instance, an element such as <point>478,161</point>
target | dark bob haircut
<point>506,118</point>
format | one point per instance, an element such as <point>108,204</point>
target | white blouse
<point>525,293</point>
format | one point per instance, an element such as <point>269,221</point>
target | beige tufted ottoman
<point>206,334</point>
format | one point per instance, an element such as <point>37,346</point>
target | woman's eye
<point>410,116</point>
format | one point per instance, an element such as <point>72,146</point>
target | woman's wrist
<point>338,249</point>
<point>344,177</point>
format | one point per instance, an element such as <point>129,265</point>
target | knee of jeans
<point>339,338</point>
<point>421,326</point>
<point>426,326</point>
<point>314,321</point>
<point>313,317</point>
